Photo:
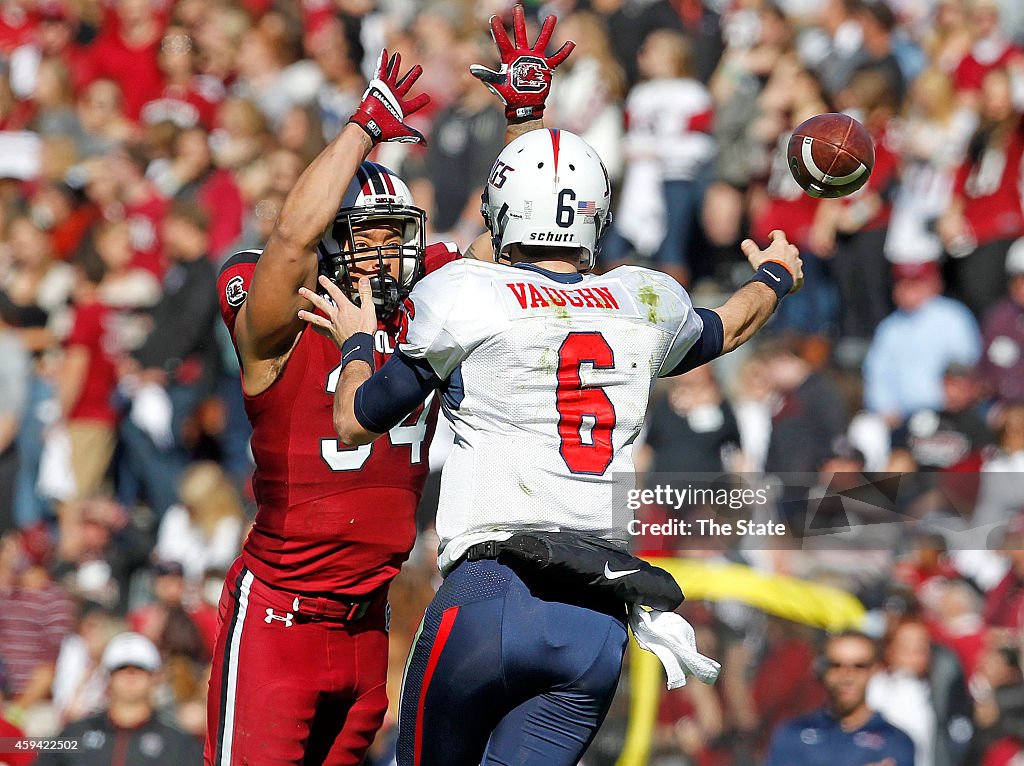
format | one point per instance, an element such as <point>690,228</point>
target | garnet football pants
<point>288,689</point>
<point>507,673</point>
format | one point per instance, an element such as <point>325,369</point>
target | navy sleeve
<point>391,393</point>
<point>707,347</point>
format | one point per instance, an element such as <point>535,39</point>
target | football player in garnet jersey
<point>301,658</point>
<point>545,371</point>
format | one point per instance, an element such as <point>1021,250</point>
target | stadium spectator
<point>697,21</point>
<point>1002,361</point>
<point>953,609</point>
<point>191,176</point>
<point>951,437</point>
<point>34,290</point>
<point>129,730</point>
<point>176,366</point>
<point>100,546</point>
<point>53,99</point>
<point>127,50</point>
<point>913,346</point>
<point>187,99</point>
<point>586,97</point>
<point>80,682</point>
<point>922,691</point>
<point>936,133</point>
<point>269,73</point>
<point>992,50</point>
<point>950,36</point>
<point>14,384</point>
<point>467,135</point>
<point>735,88</point>
<point>809,412</point>
<point>35,615</point>
<point>668,150</point>
<point>100,110</point>
<point>692,428</point>
<point>670,116</point>
<point>877,22</point>
<point>985,217</point>
<point>834,49</point>
<point>998,693</point>
<point>847,730</point>
<point>1004,605</point>
<point>204,530</point>
<point>342,83</point>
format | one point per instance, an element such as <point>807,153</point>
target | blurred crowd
<point>142,142</point>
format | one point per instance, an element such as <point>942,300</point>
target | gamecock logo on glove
<point>529,75</point>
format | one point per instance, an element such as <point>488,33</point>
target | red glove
<point>524,80</point>
<point>383,110</point>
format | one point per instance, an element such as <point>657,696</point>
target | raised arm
<point>778,271</point>
<point>522,83</point>
<point>268,321</point>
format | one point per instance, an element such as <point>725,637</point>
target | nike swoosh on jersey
<point>611,575</point>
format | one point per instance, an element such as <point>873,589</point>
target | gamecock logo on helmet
<point>530,75</point>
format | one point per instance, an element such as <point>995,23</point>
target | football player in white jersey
<point>545,372</point>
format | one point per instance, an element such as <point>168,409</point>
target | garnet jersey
<point>548,378</point>
<point>331,518</point>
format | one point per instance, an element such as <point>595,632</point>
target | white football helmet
<point>548,188</point>
<point>375,194</point>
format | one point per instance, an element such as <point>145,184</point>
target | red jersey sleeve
<point>438,255</point>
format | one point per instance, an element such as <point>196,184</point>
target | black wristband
<point>358,348</point>
<point>776,276</point>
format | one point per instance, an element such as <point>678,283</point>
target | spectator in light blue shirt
<point>847,732</point>
<point>916,343</point>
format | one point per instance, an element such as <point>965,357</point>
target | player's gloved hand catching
<point>341,318</point>
<point>384,107</point>
<point>779,252</point>
<point>524,79</point>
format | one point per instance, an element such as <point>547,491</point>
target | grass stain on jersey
<point>650,298</point>
<point>546,363</point>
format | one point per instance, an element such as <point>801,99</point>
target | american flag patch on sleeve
<point>587,208</point>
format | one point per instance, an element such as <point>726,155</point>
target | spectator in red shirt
<point>127,50</point>
<point>992,49</point>
<point>188,99</point>
<point>985,216</point>
<point>143,204</point>
<point>85,384</point>
<point>1004,607</point>
<point>192,177</point>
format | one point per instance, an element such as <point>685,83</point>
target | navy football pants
<point>508,674</point>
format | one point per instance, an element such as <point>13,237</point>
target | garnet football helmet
<point>376,197</point>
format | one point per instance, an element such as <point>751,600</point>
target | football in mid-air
<point>830,155</point>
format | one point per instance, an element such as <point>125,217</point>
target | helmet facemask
<point>389,288</point>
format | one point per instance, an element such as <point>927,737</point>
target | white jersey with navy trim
<point>547,387</point>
